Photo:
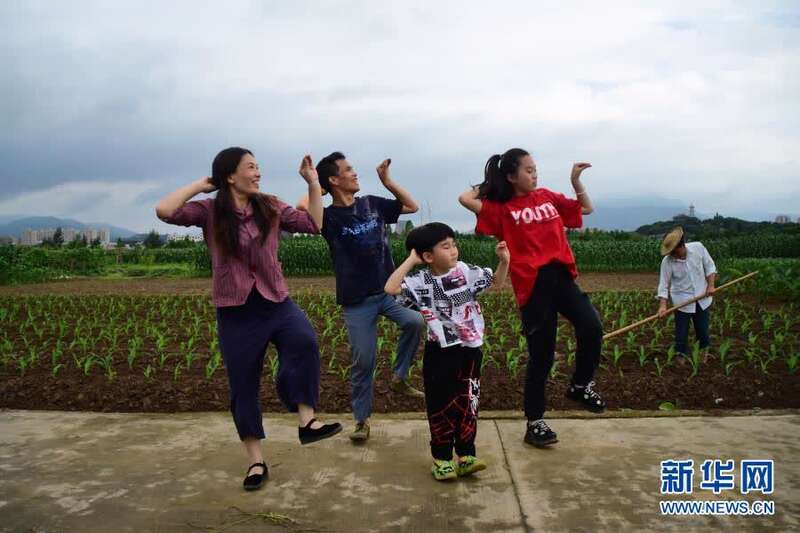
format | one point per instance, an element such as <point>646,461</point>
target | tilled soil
<point>589,282</point>
<point>623,386</point>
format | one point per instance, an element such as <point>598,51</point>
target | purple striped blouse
<point>234,277</point>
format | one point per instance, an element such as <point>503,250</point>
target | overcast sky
<point>106,106</point>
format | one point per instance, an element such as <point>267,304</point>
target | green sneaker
<point>360,433</point>
<point>402,386</point>
<point>443,470</point>
<point>468,465</point>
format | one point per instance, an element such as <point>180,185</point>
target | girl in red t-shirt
<point>532,221</point>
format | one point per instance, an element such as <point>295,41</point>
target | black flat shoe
<point>254,481</point>
<point>308,435</point>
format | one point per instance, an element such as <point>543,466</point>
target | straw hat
<point>671,241</point>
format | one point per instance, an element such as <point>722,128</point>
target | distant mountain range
<point>627,215</point>
<point>15,226</point>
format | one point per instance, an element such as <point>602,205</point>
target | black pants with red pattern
<point>452,391</point>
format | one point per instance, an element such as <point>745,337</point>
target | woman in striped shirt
<point>241,226</point>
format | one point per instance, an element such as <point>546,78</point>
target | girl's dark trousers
<point>555,291</point>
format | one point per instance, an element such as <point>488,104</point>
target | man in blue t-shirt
<point>355,230</point>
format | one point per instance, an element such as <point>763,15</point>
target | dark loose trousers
<point>244,333</point>
<point>700,319</point>
<point>452,392</point>
<point>555,291</point>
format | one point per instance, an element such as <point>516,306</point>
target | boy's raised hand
<point>383,171</point>
<point>414,258</point>
<point>308,171</point>
<point>502,252</point>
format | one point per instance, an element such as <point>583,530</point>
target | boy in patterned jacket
<point>445,292</point>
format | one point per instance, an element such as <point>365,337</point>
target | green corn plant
<point>133,350</point>
<point>107,364</point>
<point>88,363</point>
<point>161,341</point>
<point>792,361</point>
<point>501,342</point>
<point>273,362</point>
<point>630,340</point>
<point>659,366</point>
<point>642,356</point>
<point>617,354</point>
<point>22,363</point>
<point>512,363</point>
<point>744,326</point>
<point>56,354</point>
<point>344,371</point>
<point>33,355</point>
<point>554,373</point>
<point>730,366</point>
<point>213,364</point>
<point>670,354</point>
<point>724,348</point>
<point>779,339</point>
<point>694,361</point>
<point>764,363</point>
<point>188,357</point>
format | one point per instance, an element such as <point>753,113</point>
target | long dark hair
<point>496,186</point>
<point>226,223</point>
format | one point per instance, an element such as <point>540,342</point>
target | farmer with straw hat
<point>687,272</point>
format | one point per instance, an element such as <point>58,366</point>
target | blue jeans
<point>362,330</point>
<point>700,318</point>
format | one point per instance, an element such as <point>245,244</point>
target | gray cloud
<point>671,101</point>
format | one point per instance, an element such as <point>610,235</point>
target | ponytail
<point>496,186</point>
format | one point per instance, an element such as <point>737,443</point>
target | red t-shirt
<point>533,228</point>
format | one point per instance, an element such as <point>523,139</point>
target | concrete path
<point>149,472</point>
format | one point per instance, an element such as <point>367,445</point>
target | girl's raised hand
<point>577,168</point>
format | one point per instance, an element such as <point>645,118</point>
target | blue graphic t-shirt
<point>359,243</point>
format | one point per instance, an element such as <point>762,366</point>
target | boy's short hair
<point>328,167</point>
<point>424,238</point>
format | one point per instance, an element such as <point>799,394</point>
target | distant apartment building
<point>192,237</point>
<point>32,237</point>
<point>783,219</point>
